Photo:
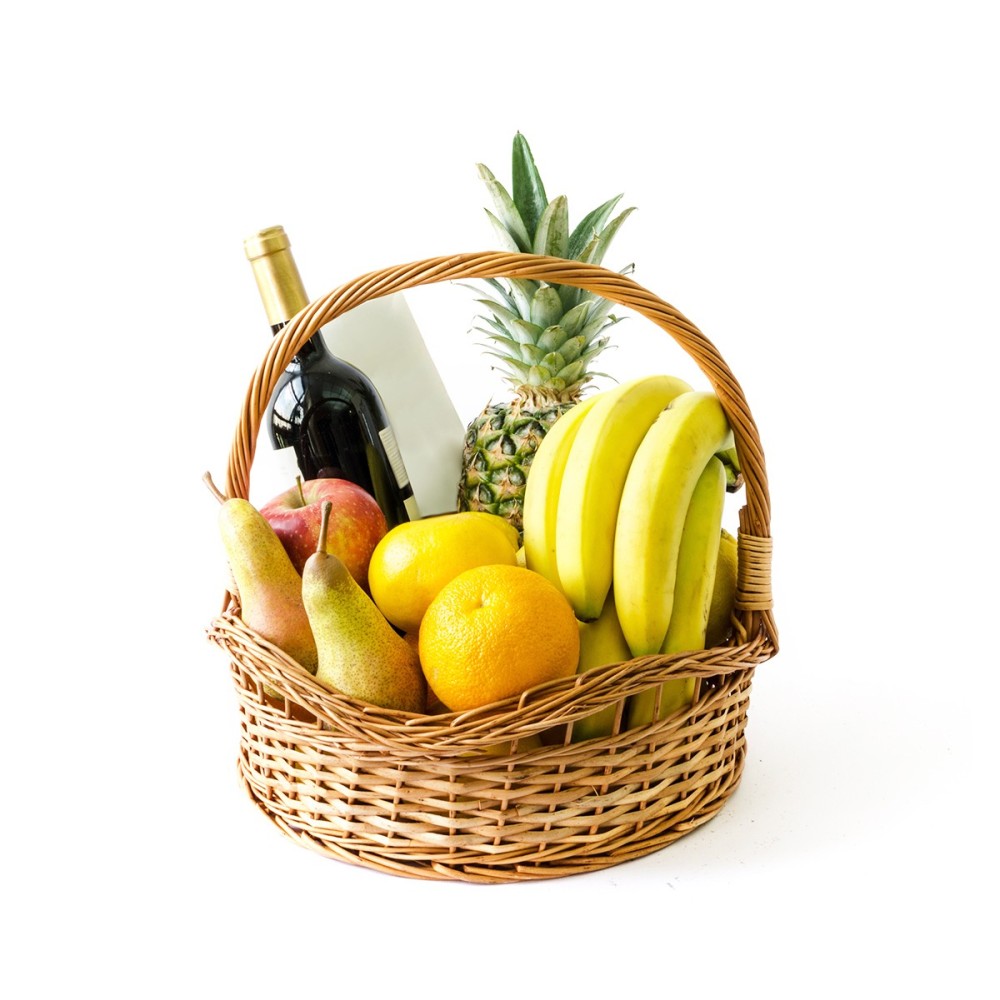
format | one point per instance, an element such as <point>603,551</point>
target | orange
<point>414,560</point>
<point>494,631</point>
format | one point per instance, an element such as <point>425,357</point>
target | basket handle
<point>753,589</point>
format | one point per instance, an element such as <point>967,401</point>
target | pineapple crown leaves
<point>550,236</point>
<point>527,222</point>
<point>555,356</point>
<point>545,335</point>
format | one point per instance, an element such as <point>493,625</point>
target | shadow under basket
<point>504,793</point>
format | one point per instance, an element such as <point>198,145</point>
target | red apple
<point>356,523</point>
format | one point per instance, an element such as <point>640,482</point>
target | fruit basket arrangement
<point>518,789</point>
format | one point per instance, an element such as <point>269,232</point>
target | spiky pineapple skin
<point>500,444</point>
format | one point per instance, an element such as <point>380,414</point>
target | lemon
<point>500,523</point>
<point>414,560</point>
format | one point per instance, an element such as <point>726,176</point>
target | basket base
<point>433,797</point>
<point>590,851</point>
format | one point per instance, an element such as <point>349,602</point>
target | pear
<point>360,654</point>
<point>268,585</point>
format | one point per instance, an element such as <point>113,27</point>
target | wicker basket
<point>417,795</point>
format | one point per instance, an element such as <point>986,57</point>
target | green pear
<point>360,654</point>
<point>268,585</point>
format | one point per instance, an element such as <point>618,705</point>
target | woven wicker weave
<point>418,795</point>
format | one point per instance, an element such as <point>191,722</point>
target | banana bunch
<point>628,488</point>
<point>575,485</point>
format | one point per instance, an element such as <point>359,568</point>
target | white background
<point>816,188</point>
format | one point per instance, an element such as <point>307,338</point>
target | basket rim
<point>535,710</point>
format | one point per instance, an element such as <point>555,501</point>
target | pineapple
<point>545,337</point>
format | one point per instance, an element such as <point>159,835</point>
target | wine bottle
<point>323,408</point>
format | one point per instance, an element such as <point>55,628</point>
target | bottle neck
<point>279,283</point>
<point>280,286</point>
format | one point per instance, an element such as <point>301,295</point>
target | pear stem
<point>324,526</point>
<point>219,495</point>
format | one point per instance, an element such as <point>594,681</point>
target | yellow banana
<point>541,494</point>
<point>592,484</point>
<point>723,594</point>
<point>601,642</point>
<point>697,562</point>
<point>697,559</point>
<point>654,504</point>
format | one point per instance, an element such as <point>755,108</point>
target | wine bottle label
<point>412,510</point>
<point>383,339</point>
<point>395,458</point>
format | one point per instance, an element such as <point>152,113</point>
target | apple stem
<point>219,495</point>
<point>324,525</point>
<point>302,495</point>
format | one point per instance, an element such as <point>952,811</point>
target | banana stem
<point>731,463</point>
